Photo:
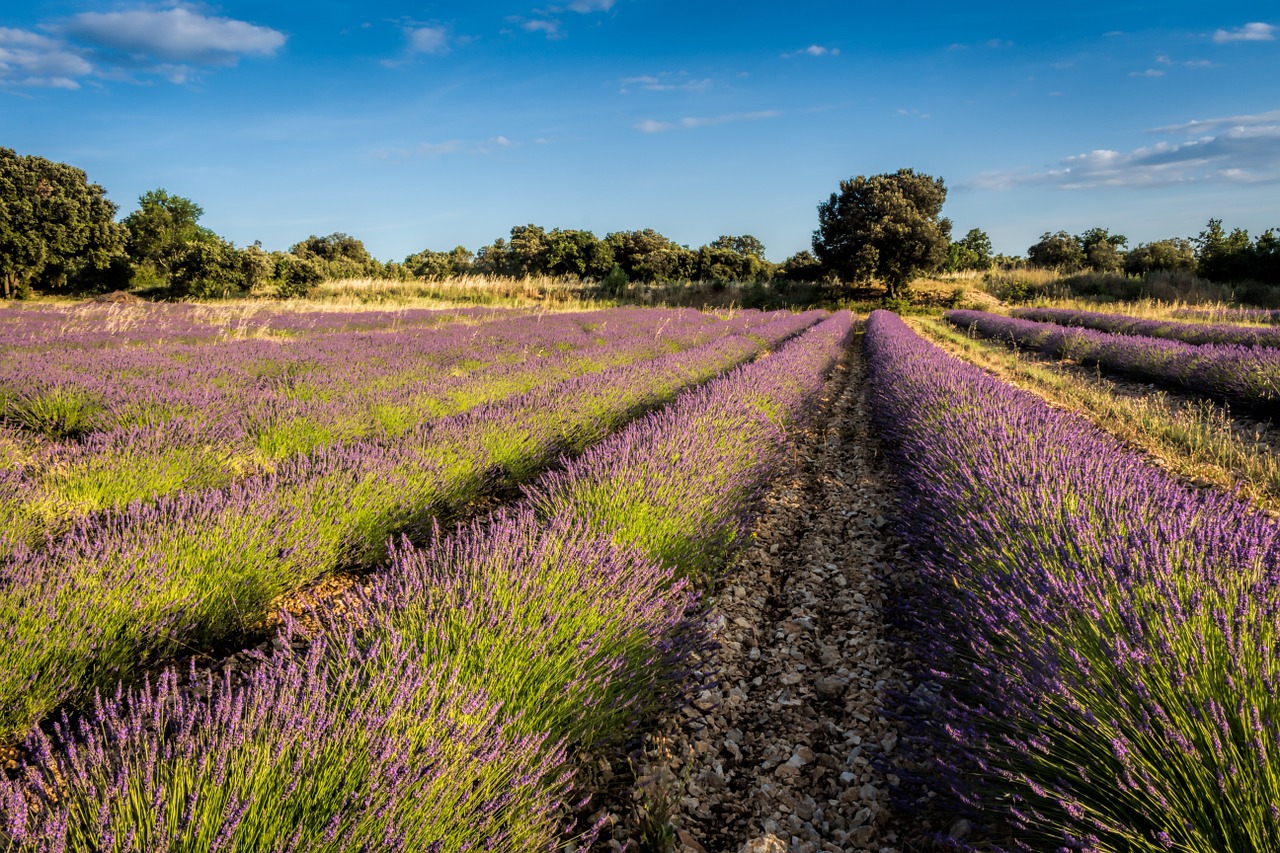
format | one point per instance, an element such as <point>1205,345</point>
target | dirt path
<point>789,750</point>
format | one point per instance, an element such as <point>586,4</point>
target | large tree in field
<point>887,227</point>
<point>55,226</point>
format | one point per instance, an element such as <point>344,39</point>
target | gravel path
<point>788,751</point>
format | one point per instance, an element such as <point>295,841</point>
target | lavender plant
<point>1106,636</point>
<point>1246,375</point>
<point>1230,315</point>
<point>1190,333</point>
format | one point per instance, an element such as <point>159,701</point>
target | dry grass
<point>540,291</point>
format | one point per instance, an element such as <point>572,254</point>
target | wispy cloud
<point>32,59</point>
<point>550,27</point>
<point>1169,62</point>
<point>813,50</point>
<point>428,150</point>
<point>911,113</point>
<point>1241,149</point>
<point>433,40</point>
<point>547,22</point>
<point>689,122</point>
<point>1270,117</point>
<point>587,6</point>
<point>178,34</point>
<point>1150,72</point>
<point>990,44</point>
<point>1256,31</point>
<point>665,81</point>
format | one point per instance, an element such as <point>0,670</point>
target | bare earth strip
<point>789,750</point>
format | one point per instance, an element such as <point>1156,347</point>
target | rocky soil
<point>790,750</point>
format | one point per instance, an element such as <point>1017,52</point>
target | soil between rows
<point>791,747</point>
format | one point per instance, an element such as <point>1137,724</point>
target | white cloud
<point>665,81</point>
<point>813,50</point>
<point>1241,153</point>
<point>1150,72</point>
<point>651,126</point>
<point>1169,62</point>
<point>429,150</point>
<point>178,34</point>
<point>1210,124</point>
<point>32,59</point>
<point>709,121</point>
<point>550,27</point>
<point>689,122</point>
<point>912,113</point>
<point>1256,31</point>
<point>586,6</point>
<point>432,40</point>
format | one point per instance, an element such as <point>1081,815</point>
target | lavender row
<point>443,724</point>
<point>1188,333</point>
<point>1230,315</point>
<point>210,386</point>
<point>1248,375</point>
<point>42,328</point>
<point>1108,639</point>
<point>208,424</point>
<point>189,571</point>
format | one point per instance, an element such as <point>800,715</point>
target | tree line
<point>1214,254</point>
<point>59,234</point>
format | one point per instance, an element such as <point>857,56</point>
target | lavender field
<point>165,490</point>
<point>458,558</point>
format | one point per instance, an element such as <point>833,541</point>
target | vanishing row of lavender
<point>1188,333</point>
<point>184,418</point>
<point>1248,375</point>
<point>443,723</point>
<point>1108,638</point>
<point>123,589</point>
<point>45,327</point>
<point>1230,315</point>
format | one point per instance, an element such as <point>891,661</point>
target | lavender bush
<point>1230,315</point>
<point>1246,375</point>
<point>1189,333</point>
<point>1107,637</point>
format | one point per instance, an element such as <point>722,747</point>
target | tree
<point>723,264</point>
<point>972,252</point>
<point>256,266</point>
<point>649,256</point>
<point>338,255</point>
<point>429,264</point>
<point>160,232</point>
<point>746,245</point>
<point>802,266</point>
<point>1172,254</point>
<point>1058,251</point>
<point>1101,249</point>
<point>572,252</point>
<point>295,276</point>
<point>56,228</point>
<point>208,269</point>
<point>887,227</point>
<point>1223,256</point>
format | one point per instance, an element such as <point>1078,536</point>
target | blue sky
<point>436,124</point>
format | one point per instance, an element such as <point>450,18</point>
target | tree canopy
<point>56,228</point>
<point>887,227</point>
